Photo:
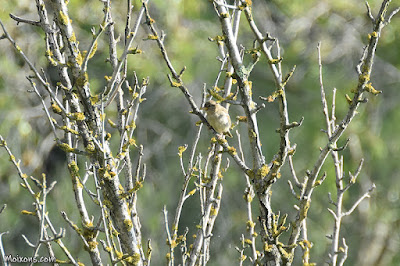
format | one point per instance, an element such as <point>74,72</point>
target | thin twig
<point>323,97</point>
<point>355,205</point>
<point>23,20</point>
<point>3,208</point>
<point>2,252</point>
<point>111,84</point>
<point>45,84</point>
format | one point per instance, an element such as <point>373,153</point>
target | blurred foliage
<point>164,122</point>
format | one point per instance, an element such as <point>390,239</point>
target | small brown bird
<point>218,117</point>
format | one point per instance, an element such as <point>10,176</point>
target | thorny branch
<point>80,117</point>
<point>81,120</point>
<point>40,207</point>
<point>337,131</point>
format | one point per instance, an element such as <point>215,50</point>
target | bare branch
<point>355,205</point>
<point>28,242</point>
<point>344,250</point>
<point>111,84</point>
<point>330,199</point>
<point>23,20</point>
<point>293,171</point>
<point>323,97</point>
<point>358,171</point>
<point>342,147</point>
<point>2,252</point>
<point>292,190</point>
<point>333,214</point>
<point>93,46</point>
<point>3,208</point>
<point>32,67</point>
<point>369,13</point>
<point>394,12</point>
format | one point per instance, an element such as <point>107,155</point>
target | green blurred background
<point>372,231</point>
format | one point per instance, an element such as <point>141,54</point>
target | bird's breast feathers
<point>221,123</point>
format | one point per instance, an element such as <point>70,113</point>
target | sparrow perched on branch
<point>218,117</point>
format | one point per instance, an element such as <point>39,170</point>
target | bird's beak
<point>204,108</point>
